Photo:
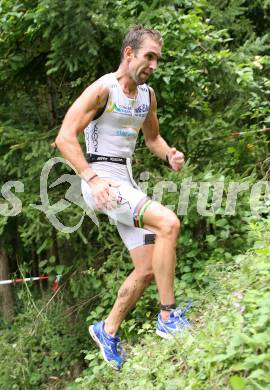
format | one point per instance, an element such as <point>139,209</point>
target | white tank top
<point>115,132</point>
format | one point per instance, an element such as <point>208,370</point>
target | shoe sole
<point>169,336</point>
<point>166,336</point>
<point>96,340</point>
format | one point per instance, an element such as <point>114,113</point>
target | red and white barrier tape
<point>25,280</point>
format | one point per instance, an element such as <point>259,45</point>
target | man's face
<point>144,61</point>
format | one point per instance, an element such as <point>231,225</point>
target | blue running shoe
<point>108,345</point>
<point>175,324</point>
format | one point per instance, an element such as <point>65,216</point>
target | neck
<point>126,82</point>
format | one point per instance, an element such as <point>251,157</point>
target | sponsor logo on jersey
<point>126,133</point>
<point>139,111</point>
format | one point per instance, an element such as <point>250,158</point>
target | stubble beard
<point>139,81</point>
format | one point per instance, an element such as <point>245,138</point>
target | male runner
<point>112,111</point>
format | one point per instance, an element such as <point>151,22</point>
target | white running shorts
<point>132,203</point>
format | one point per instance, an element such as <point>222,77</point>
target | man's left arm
<point>155,142</point>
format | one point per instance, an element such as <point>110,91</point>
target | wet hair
<point>136,35</point>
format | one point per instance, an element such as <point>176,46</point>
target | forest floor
<point>227,346</point>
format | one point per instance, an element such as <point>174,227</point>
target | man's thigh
<point>135,238</point>
<point>157,215</point>
<point>128,199</point>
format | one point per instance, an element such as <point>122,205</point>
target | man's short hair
<point>136,35</point>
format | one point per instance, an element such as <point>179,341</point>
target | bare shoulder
<point>151,90</point>
<point>153,98</point>
<point>97,92</point>
<point>85,107</point>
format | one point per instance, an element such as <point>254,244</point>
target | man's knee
<point>163,220</point>
<point>145,275</point>
<point>169,225</point>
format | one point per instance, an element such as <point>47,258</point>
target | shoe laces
<point>180,313</point>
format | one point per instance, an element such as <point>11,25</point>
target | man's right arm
<point>77,118</point>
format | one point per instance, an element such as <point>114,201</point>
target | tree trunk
<point>6,298</point>
<point>51,102</point>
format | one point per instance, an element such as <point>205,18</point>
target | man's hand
<point>176,159</point>
<point>103,194</point>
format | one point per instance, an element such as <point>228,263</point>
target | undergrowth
<point>41,348</point>
<point>228,344</point>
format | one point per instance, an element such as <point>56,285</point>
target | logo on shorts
<point>122,201</point>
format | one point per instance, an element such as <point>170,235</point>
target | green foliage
<point>43,344</point>
<point>213,80</point>
<point>229,341</point>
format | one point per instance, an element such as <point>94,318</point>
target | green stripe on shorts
<point>142,211</point>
